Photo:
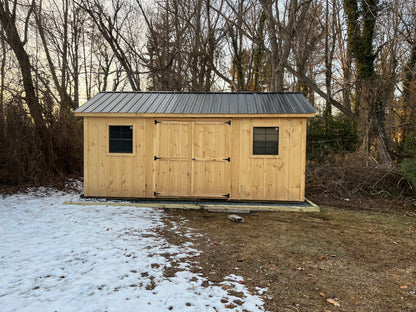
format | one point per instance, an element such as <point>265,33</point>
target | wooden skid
<point>228,208</point>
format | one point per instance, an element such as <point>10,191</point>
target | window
<point>265,140</point>
<point>121,139</point>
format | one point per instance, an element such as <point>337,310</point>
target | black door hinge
<point>227,195</point>
<point>228,122</point>
<point>227,159</point>
<point>156,193</point>
<point>156,158</point>
<point>156,122</point>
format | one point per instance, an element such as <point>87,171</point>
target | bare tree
<point>111,25</point>
<point>11,35</point>
<point>54,34</point>
<point>330,44</point>
<point>2,80</point>
<point>282,28</point>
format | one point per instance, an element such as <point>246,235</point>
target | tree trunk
<point>2,73</point>
<point>7,20</point>
<point>371,124</point>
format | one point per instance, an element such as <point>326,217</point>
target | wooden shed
<point>237,146</point>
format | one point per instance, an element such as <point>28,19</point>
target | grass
<point>364,260</point>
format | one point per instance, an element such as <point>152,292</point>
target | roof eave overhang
<point>167,115</point>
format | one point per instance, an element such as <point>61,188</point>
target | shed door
<point>211,161</point>
<point>172,159</point>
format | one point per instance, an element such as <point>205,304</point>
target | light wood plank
<point>149,152</point>
<point>139,181</point>
<point>245,180</point>
<point>283,162</point>
<point>296,160</point>
<point>303,161</point>
<point>271,179</point>
<point>234,152</point>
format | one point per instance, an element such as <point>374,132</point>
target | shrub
<point>22,158</point>
<point>330,136</point>
<point>409,144</point>
<point>408,170</point>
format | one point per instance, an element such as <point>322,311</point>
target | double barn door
<point>192,158</point>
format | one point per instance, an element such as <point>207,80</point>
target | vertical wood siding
<point>192,162</point>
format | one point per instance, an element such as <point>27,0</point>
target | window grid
<point>121,139</point>
<point>265,140</point>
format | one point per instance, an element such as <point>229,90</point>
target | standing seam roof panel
<point>197,103</point>
<point>146,103</point>
<point>92,103</point>
<point>133,103</point>
<point>102,103</point>
<point>113,102</point>
<point>124,103</point>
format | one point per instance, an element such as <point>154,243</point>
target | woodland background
<point>355,61</point>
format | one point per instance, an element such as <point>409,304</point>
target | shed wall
<point>250,177</point>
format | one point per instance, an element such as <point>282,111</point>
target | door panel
<point>210,151</point>
<point>172,174</point>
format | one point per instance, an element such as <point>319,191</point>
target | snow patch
<point>56,257</point>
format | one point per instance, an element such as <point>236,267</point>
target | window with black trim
<point>121,139</point>
<point>265,140</point>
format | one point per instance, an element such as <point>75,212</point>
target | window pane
<point>265,140</point>
<point>121,139</point>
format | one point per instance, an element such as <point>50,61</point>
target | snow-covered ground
<point>59,257</point>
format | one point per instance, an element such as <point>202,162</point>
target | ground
<point>335,260</point>
<point>56,257</point>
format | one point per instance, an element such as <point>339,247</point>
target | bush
<point>330,136</point>
<point>408,145</point>
<point>354,175</point>
<point>22,156</point>
<point>408,170</point>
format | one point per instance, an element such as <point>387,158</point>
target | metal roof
<point>197,103</point>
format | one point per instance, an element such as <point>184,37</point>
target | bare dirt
<point>355,256</point>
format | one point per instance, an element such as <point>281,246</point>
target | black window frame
<point>120,139</point>
<point>269,144</point>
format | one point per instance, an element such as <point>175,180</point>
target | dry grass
<point>356,176</point>
<point>363,259</point>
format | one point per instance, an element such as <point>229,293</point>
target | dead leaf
<point>323,294</point>
<point>334,302</point>
<point>403,287</point>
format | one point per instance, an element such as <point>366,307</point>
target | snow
<point>60,257</point>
